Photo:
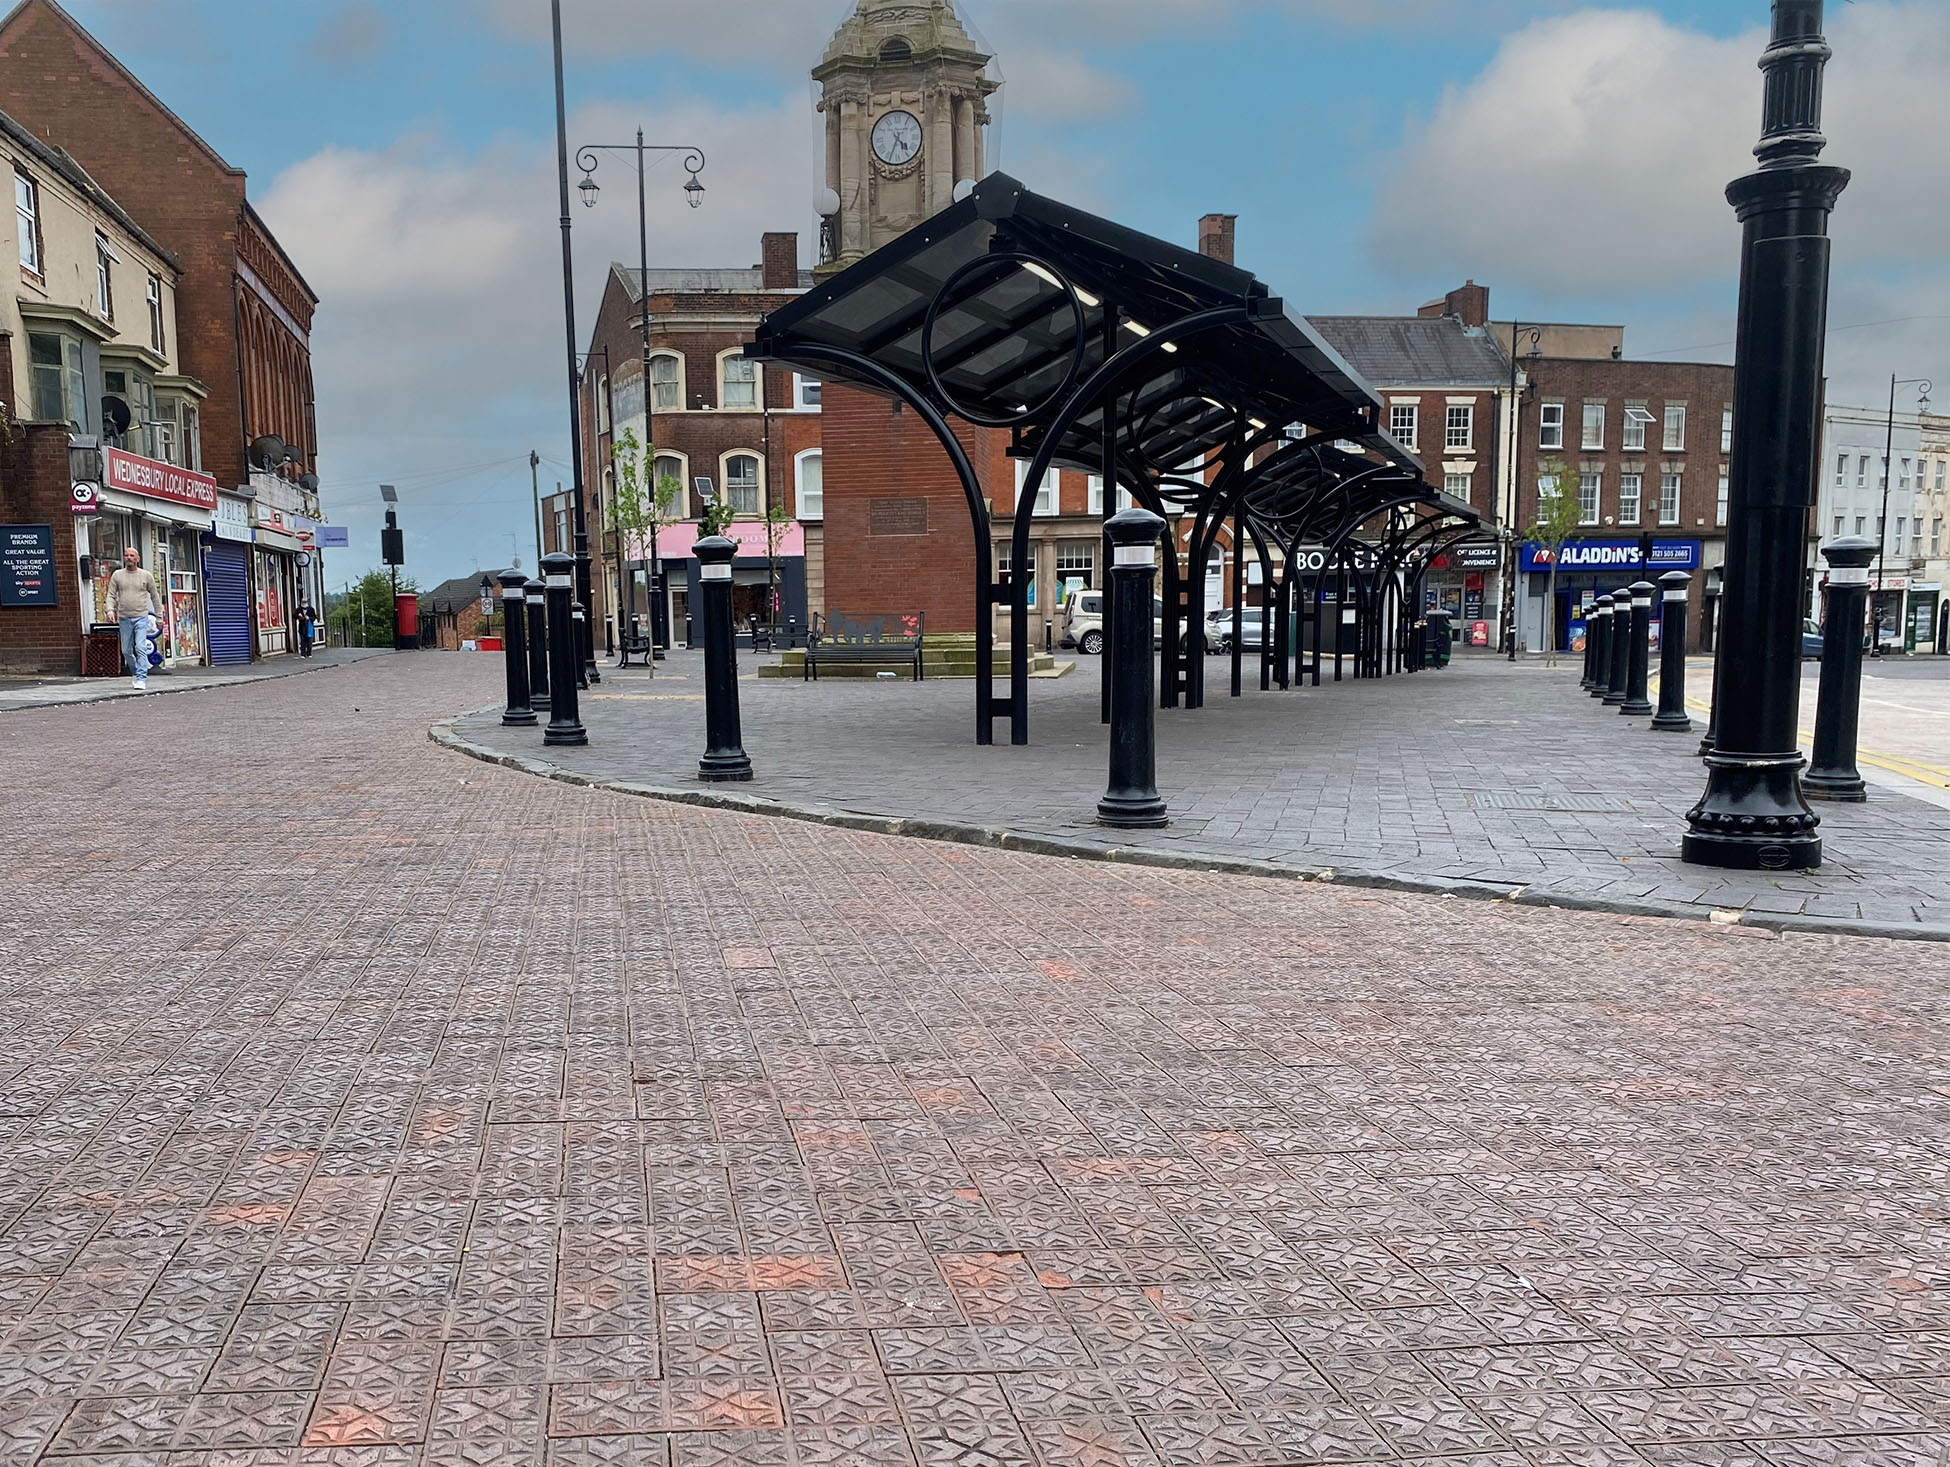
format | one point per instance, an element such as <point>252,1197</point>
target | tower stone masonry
<point>904,91</point>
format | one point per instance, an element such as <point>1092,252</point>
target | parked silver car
<point>1218,628</point>
<point>1083,621</point>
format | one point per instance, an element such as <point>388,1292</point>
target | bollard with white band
<point>1671,717</point>
<point>564,652</point>
<point>1639,653</point>
<point>725,759</point>
<point>514,601</point>
<point>1131,800</point>
<point>1832,772</point>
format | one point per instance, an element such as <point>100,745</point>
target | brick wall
<point>34,490</point>
<point>54,80</point>
<point>884,471</point>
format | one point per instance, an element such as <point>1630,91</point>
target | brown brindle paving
<point>363,1104</point>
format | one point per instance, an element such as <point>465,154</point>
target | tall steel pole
<point>587,650</point>
<point>1753,815</point>
<point>1882,521</point>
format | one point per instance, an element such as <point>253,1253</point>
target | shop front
<point>162,511</point>
<point>768,580</point>
<point>228,612</point>
<point>1459,581</point>
<point>1585,569</point>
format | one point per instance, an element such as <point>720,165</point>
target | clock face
<point>897,138</point>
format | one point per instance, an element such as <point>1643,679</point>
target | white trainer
<point>142,685</point>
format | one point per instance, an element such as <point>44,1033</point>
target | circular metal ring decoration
<point>1143,431</point>
<point>1029,412</point>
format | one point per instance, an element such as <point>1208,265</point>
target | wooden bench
<point>840,638</point>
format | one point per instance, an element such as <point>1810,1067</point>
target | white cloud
<point>1591,156</point>
<point>442,342</point>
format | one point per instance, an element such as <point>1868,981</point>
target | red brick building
<point>1648,443</point>
<point>243,309</point>
<point>754,434</point>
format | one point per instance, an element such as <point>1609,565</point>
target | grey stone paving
<point>1484,775</point>
<point>50,692</point>
<point>386,1109</point>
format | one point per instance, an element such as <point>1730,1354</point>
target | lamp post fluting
<point>1752,815</point>
<point>1832,773</point>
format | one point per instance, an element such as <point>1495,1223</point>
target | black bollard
<point>725,760</point>
<point>1620,648</point>
<point>564,653</point>
<point>1601,619</point>
<point>537,638</point>
<point>1752,815</point>
<point>1639,654</point>
<point>1131,801</point>
<point>580,622</point>
<point>1590,643</point>
<point>514,599</point>
<point>1832,773</point>
<point>1671,717</point>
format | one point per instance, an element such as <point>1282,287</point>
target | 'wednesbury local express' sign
<point>1612,555</point>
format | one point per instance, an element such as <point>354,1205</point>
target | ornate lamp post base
<point>1757,819</point>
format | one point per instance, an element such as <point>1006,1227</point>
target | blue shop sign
<point>1612,555</point>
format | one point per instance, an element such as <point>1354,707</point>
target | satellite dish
<point>308,482</point>
<point>827,203</point>
<point>267,452</point>
<point>116,417</point>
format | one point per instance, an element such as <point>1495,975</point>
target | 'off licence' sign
<point>134,474</point>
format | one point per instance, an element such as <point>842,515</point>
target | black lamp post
<point>1753,815</point>
<point>1512,535</point>
<point>1924,387</point>
<point>587,157</point>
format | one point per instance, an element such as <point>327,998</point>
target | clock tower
<point>905,94</point>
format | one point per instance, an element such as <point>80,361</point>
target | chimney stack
<point>1469,303</point>
<point>780,267</point>
<point>1215,237</point>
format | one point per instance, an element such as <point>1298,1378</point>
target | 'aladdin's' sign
<point>1613,555</point>
<point>134,474</point>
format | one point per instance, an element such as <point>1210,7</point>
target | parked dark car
<point>1810,637</point>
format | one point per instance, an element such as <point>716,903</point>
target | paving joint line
<point>446,734</point>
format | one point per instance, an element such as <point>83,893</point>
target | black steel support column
<point>565,657</point>
<point>1832,774</point>
<point>1239,598</point>
<point>1671,717</point>
<point>1131,800</point>
<point>1752,815</point>
<point>538,643</point>
<point>725,759</point>
<point>1639,655</point>
<point>514,597</point>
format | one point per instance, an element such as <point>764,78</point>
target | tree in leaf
<point>1559,515</point>
<point>638,511</point>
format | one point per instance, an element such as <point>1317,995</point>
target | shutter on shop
<point>227,602</point>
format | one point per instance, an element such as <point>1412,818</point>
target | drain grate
<point>1568,804</point>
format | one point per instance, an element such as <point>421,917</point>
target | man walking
<point>132,595</point>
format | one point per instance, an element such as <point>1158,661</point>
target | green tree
<point>1558,516</point>
<point>637,511</point>
<point>365,614</point>
<point>777,522</point>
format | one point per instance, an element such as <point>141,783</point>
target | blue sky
<point>1376,151</point>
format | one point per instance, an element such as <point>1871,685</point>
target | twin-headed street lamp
<point>587,158</point>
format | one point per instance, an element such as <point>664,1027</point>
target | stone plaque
<point>897,517</point>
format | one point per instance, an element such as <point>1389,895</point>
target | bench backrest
<point>892,629</point>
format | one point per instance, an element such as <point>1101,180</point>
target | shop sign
<point>1476,557</point>
<point>233,519</point>
<point>334,537</point>
<point>85,498</point>
<point>137,475</point>
<point>27,566</point>
<point>1612,555</point>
